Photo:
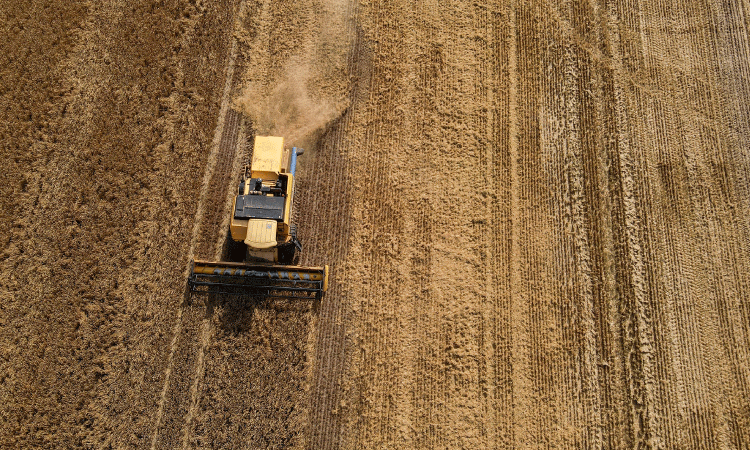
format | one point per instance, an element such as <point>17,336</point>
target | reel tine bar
<point>295,282</point>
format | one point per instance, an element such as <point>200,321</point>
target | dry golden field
<point>537,216</point>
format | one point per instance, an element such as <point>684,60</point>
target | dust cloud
<point>310,90</point>
<point>289,108</point>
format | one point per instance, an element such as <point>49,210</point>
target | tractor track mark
<point>232,145</point>
<point>327,211</point>
<point>426,374</point>
<point>502,43</point>
<point>224,142</point>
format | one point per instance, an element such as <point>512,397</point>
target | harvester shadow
<point>256,362</point>
<point>235,314</point>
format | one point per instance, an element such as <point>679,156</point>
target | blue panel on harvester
<point>293,163</point>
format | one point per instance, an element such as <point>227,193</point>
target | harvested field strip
<point>258,359</point>
<point>577,341</point>
<point>192,327</point>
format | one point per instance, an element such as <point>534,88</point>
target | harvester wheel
<point>234,251</point>
<point>286,254</point>
<point>289,253</point>
<point>297,244</point>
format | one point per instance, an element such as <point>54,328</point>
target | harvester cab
<point>261,221</point>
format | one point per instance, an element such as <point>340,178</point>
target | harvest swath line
<point>328,361</point>
<point>213,156</point>
<point>504,38</point>
<point>232,137</point>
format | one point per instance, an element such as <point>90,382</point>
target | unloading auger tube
<point>221,277</point>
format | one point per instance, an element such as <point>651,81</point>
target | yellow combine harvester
<point>261,220</point>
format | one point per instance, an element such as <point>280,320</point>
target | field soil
<point>535,213</point>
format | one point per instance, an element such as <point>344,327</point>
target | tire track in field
<point>524,274</point>
<point>231,162</point>
<point>428,382</point>
<point>325,222</point>
<point>637,348</point>
<point>486,226</point>
<point>221,155</point>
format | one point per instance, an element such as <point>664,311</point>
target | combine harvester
<point>261,220</point>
